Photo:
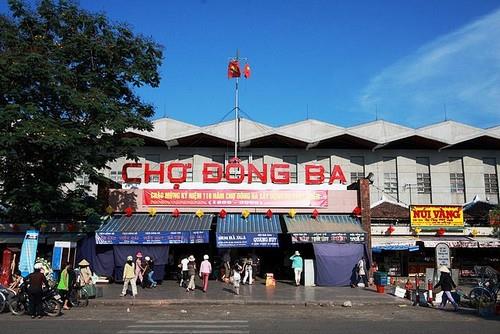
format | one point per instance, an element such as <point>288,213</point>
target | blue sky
<point>336,61</point>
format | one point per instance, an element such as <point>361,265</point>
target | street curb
<point>191,302</point>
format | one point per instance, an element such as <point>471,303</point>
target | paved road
<point>241,319</point>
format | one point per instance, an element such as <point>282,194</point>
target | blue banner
<point>28,253</point>
<point>232,240</point>
<point>329,237</point>
<point>151,238</point>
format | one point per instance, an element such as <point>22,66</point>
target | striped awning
<point>159,229</point>
<point>254,223</point>
<point>158,223</point>
<point>323,224</point>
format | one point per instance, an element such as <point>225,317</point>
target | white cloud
<point>461,70</point>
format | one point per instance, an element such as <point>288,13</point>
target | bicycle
<point>488,286</point>
<point>79,297</point>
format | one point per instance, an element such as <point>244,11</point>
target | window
<point>491,184</point>
<point>82,180</point>
<point>390,175</point>
<point>355,176</point>
<point>357,168</point>
<point>423,183</point>
<point>423,176</point>
<point>457,183</point>
<point>391,183</point>
<point>116,176</point>
<point>186,159</point>
<point>490,178</point>
<point>154,164</point>
<point>292,161</point>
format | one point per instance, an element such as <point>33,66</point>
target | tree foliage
<point>67,96</point>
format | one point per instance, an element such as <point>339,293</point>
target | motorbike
<point>51,302</point>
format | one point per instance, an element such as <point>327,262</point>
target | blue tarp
<point>158,253</point>
<point>101,258</point>
<point>336,263</point>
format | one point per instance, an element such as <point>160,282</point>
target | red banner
<point>236,198</point>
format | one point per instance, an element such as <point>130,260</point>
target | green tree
<point>67,96</point>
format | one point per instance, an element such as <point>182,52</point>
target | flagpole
<point>236,120</point>
<point>236,98</point>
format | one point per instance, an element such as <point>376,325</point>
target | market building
<point>297,187</point>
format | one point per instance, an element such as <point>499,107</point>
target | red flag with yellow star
<point>233,69</point>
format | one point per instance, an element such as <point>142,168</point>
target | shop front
<point>335,242</point>
<point>154,235</point>
<point>254,236</point>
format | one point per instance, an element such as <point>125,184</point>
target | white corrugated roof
<point>313,131</point>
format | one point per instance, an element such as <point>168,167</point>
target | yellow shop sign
<point>432,216</point>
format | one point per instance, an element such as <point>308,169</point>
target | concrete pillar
<point>364,204</point>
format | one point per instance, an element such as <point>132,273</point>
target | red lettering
<point>212,172</point>
<point>238,177</point>
<point>178,179</point>
<point>337,174</point>
<point>280,176</point>
<point>315,174</point>
<point>125,177</point>
<point>148,172</point>
<point>261,175</point>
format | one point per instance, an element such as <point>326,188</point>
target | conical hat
<point>444,269</point>
<point>84,263</point>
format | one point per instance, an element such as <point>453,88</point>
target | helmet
<point>129,258</point>
<point>205,257</point>
<point>147,258</point>
<point>38,265</point>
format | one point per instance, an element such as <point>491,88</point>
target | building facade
<point>444,163</point>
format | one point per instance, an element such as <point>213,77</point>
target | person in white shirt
<point>184,272</point>
<point>362,272</point>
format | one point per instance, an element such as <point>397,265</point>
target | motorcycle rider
<point>35,281</point>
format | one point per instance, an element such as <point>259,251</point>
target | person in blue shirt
<point>297,266</point>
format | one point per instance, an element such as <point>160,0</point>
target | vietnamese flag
<point>247,71</point>
<point>233,69</point>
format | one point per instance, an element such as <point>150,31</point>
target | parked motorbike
<point>51,302</point>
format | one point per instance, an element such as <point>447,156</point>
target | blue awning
<point>325,229</point>
<point>254,231</point>
<point>159,229</point>
<point>254,223</point>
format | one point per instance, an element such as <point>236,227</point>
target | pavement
<point>284,293</point>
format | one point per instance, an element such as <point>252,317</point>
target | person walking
<point>148,272</point>
<point>205,271</point>
<point>184,272</point>
<point>35,282</point>
<point>139,267</point>
<point>248,269</point>
<point>191,273</point>
<point>129,277</point>
<point>361,268</point>
<point>65,285</point>
<point>237,277</point>
<point>297,266</point>
<point>446,283</point>
<point>226,258</point>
